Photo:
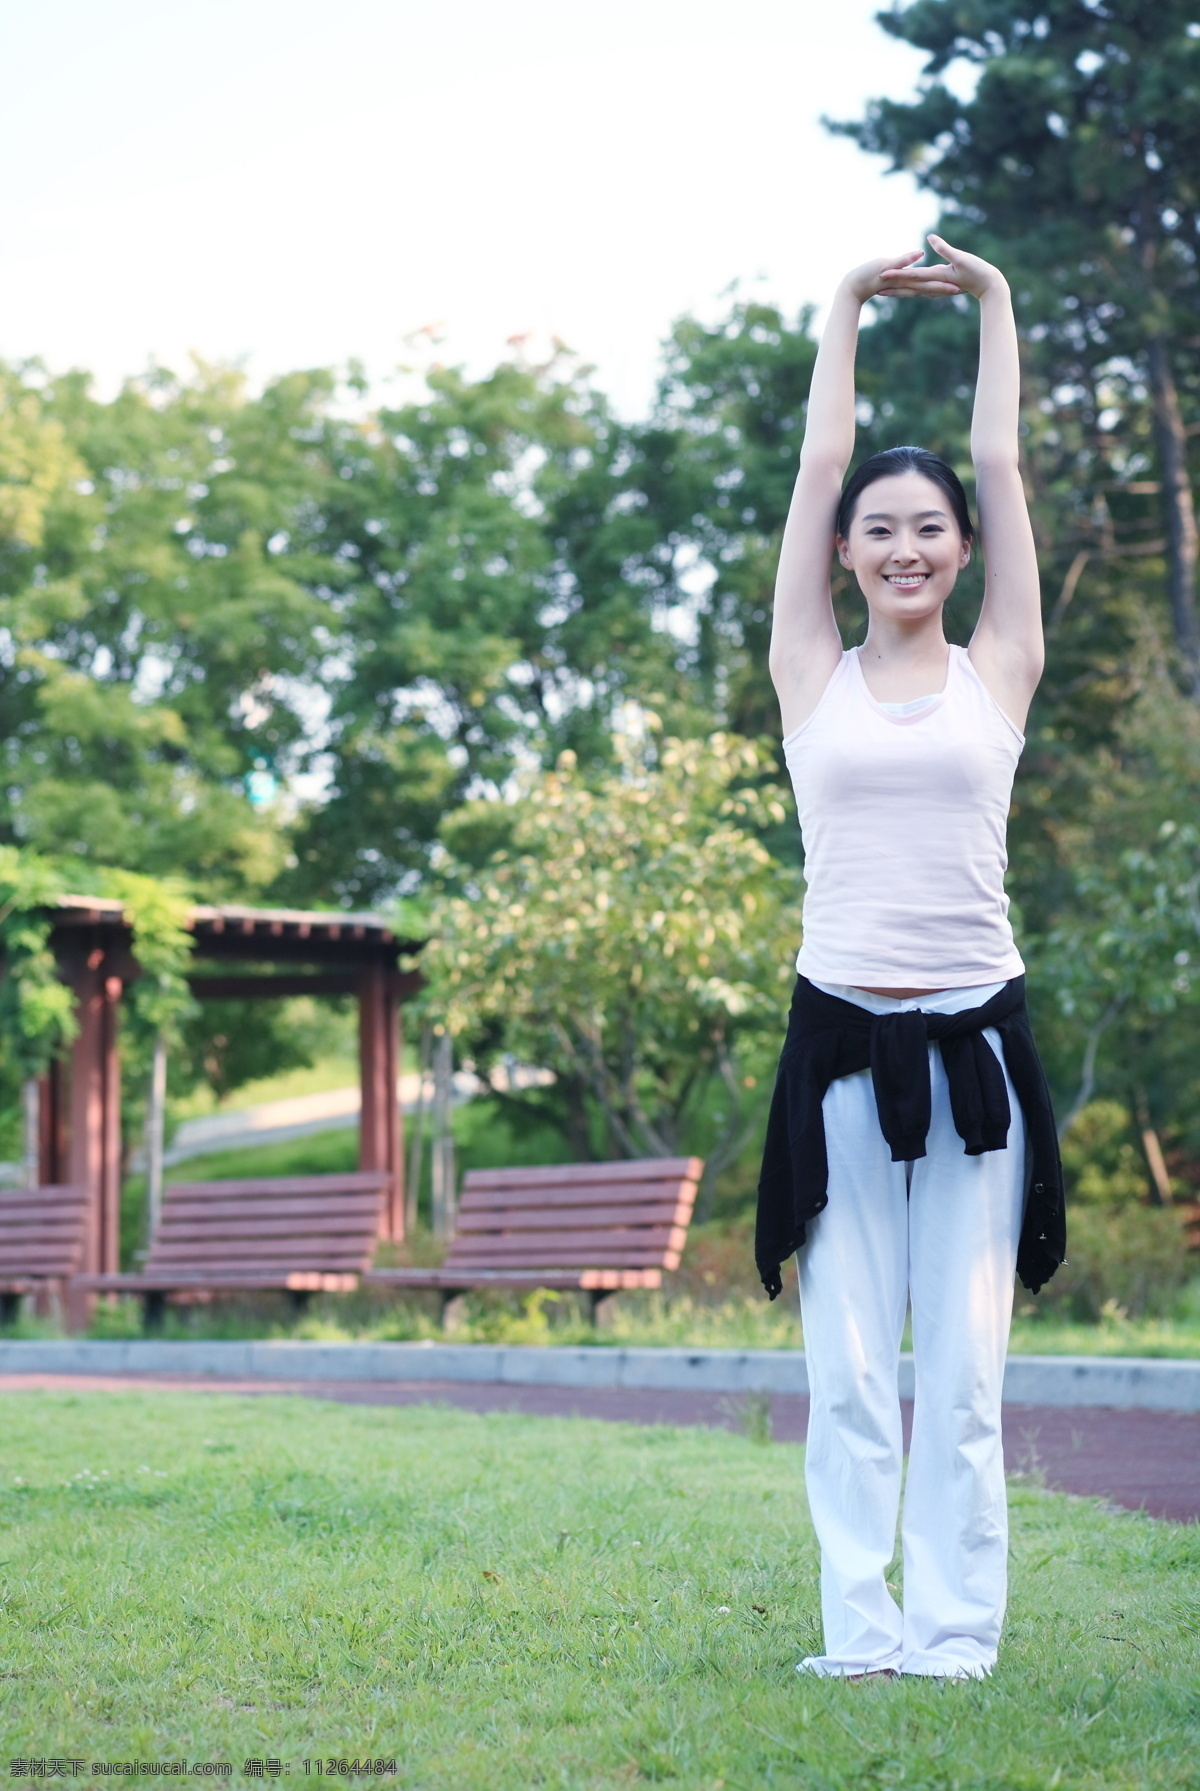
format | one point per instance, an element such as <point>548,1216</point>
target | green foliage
<point>635,938</point>
<point>715,469</point>
<point>491,610</point>
<point>1102,1163</point>
<point>499,1602</point>
<point>155,634</point>
<point>37,1009</point>
<point>225,1044</point>
<point>1114,956</point>
<point>37,1014</point>
<point>158,911</point>
<point>1122,1257</point>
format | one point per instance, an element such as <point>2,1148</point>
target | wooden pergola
<point>242,953</point>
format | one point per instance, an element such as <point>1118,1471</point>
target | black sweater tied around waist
<point>828,1038</point>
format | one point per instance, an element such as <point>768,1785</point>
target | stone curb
<point>1131,1382</point>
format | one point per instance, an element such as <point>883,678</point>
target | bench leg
<point>600,1311</point>
<point>154,1306</point>
<point>298,1298</point>
<point>10,1308</point>
<point>77,1310</point>
<point>453,1310</point>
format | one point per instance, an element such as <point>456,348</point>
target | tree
<point>1121,954</point>
<point>503,568</point>
<point>1075,160</point>
<point>636,938</point>
<point>156,639</point>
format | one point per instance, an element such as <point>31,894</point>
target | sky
<point>289,183</point>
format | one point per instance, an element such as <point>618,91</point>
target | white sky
<point>294,182</point>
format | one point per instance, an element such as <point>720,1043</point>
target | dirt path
<point>1139,1460</point>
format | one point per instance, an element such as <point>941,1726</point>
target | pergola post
<point>52,1154</point>
<point>394,1033</point>
<point>94,1131</point>
<point>379,1132</point>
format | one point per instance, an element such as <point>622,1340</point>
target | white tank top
<point>904,814</point>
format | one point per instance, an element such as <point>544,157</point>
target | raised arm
<point>805,644</point>
<point>1006,649</point>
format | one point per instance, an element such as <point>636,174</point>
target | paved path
<point>1140,1460</point>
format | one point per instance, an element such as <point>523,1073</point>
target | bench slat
<point>268,1272</point>
<point>561,1182</point>
<point>568,1259</point>
<point>360,1181</point>
<point>577,1174</point>
<point>38,1259</point>
<point>212,1212</point>
<point>572,1256</point>
<point>574,1259</point>
<point>285,1280</point>
<point>645,1236</point>
<point>621,1219</point>
<point>49,1237</point>
<point>53,1197</point>
<point>181,1230</point>
<point>274,1250</point>
<point>629,1196</point>
<point>515,1278</point>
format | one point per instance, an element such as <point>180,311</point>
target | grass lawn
<point>504,1602</point>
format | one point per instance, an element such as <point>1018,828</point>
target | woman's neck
<point>903,663</point>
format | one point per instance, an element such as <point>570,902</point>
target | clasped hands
<point>899,277</point>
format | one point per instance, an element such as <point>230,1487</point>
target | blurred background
<point>399,405</point>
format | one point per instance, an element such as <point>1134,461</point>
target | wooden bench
<point>42,1233</point>
<point>596,1227</point>
<point>301,1234</point>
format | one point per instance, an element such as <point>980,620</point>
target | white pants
<point>946,1242</point>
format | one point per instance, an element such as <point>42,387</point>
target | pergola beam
<point>402,983</point>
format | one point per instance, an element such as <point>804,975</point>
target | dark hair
<point>905,460</point>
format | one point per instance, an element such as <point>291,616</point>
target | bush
<point>1124,1258</point>
<point>1102,1161</point>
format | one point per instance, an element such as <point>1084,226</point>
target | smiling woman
<point>910,1117</point>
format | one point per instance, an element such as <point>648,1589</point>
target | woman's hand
<point>968,273</point>
<point>886,274</point>
<point>899,277</point>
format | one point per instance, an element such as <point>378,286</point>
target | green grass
<point>1113,1336</point>
<point>636,1320</point>
<point>502,1602</point>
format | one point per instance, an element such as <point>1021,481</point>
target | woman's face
<point>904,547</point>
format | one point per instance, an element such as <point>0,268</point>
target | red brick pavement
<point>1140,1460</point>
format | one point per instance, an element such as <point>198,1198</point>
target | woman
<point>911,1156</point>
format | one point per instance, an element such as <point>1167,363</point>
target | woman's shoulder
<point>822,699</point>
<point>968,671</point>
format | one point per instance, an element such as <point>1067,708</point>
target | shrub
<point>1125,1257</point>
<point>1102,1163</point>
